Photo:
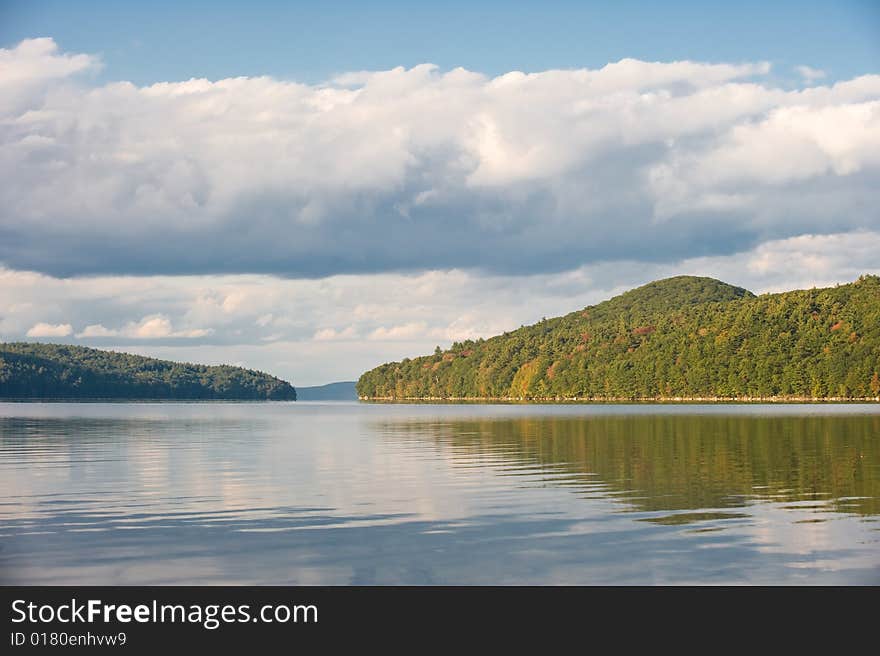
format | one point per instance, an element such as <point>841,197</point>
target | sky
<point>314,190</point>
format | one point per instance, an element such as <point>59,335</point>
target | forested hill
<point>46,371</point>
<point>683,337</point>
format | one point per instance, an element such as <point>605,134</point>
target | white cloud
<point>154,327</point>
<point>193,333</point>
<point>810,74</point>
<point>158,326</point>
<point>97,330</point>
<point>404,331</point>
<point>331,334</point>
<point>415,169</point>
<point>35,60</point>
<point>49,330</point>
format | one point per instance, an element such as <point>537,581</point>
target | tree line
<point>45,371</point>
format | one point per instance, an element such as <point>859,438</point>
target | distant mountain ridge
<point>675,339</point>
<point>55,371</point>
<point>342,391</point>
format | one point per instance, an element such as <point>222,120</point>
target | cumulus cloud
<point>36,61</point>
<point>159,326</point>
<point>419,169</point>
<point>150,327</point>
<point>49,330</point>
<point>156,327</point>
<point>96,330</point>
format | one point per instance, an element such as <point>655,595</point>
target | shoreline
<point>645,400</point>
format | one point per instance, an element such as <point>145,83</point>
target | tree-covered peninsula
<point>59,371</point>
<point>679,338</point>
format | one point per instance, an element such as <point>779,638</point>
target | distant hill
<point>52,371</point>
<point>344,391</point>
<point>680,338</point>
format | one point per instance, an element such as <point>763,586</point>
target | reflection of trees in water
<point>675,462</point>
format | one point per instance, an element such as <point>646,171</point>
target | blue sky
<point>288,187</point>
<point>161,40</point>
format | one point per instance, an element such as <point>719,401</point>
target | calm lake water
<point>348,493</point>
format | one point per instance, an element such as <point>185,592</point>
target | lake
<point>350,493</point>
